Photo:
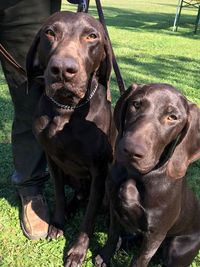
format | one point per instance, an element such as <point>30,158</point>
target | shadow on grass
<point>167,67</point>
<point>147,21</point>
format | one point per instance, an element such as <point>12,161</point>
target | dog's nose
<point>66,68</point>
<point>136,152</point>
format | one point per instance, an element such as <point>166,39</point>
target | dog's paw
<point>99,262</point>
<point>77,253</point>
<point>74,260</point>
<point>75,257</point>
<point>54,232</point>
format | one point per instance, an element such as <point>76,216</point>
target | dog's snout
<point>136,152</point>
<point>70,67</point>
<point>65,69</point>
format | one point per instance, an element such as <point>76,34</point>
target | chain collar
<point>68,107</point>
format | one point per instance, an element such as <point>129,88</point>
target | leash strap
<point>7,56</point>
<point>118,75</point>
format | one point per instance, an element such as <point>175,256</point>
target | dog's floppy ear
<point>188,150</point>
<point>121,107</point>
<point>33,68</point>
<point>105,68</point>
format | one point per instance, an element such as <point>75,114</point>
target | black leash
<point>118,75</point>
<point>7,56</point>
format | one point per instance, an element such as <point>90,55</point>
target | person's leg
<point>19,22</point>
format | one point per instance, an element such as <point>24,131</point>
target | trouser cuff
<point>30,187</point>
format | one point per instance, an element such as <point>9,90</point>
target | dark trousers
<point>19,22</point>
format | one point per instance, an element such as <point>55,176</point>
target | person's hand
<point>82,4</point>
<point>74,1</point>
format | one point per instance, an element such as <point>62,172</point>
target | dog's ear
<point>105,68</point>
<point>121,107</point>
<point>33,68</point>
<point>188,150</point>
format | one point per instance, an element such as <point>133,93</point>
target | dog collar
<point>68,107</point>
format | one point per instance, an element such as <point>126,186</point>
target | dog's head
<point>157,125</point>
<point>68,51</point>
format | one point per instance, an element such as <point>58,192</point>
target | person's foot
<point>34,217</point>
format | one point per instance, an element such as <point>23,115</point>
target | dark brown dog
<point>159,136</point>
<point>73,119</point>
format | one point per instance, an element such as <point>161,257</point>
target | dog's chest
<point>146,204</point>
<point>74,145</point>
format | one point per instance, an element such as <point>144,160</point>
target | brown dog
<point>73,119</point>
<point>159,136</point>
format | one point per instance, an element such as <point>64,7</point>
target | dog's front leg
<point>150,244</point>
<point>77,253</point>
<point>56,228</point>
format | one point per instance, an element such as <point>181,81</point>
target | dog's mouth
<point>65,94</point>
<point>141,168</point>
<point>141,165</point>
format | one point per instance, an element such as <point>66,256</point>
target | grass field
<point>147,51</point>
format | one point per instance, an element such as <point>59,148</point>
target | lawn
<point>147,51</point>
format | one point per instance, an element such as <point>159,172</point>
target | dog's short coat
<point>159,136</point>
<point>73,122</point>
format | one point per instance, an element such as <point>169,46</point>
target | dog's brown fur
<point>159,136</point>
<point>73,54</point>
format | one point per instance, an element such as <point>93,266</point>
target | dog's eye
<point>50,34</point>
<point>172,117</point>
<point>91,37</point>
<point>136,104</point>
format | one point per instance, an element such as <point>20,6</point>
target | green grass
<point>147,51</point>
